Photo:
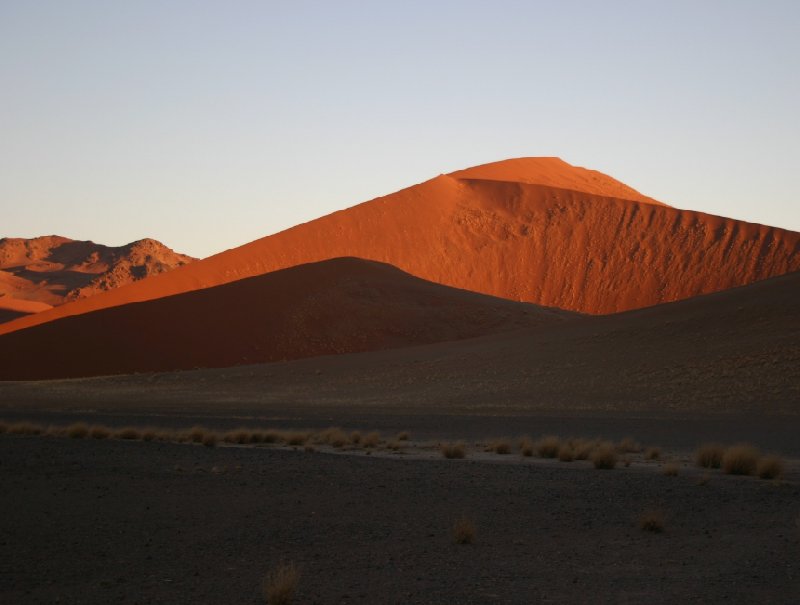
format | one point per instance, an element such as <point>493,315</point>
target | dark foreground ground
<point>88,521</point>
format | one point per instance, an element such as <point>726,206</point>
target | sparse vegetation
<point>583,448</point>
<point>209,439</point>
<point>548,447</point>
<point>770,467</point>
<point>372,439</point>
<point>628,445</point>
<point>25,428</point>
<point>566,453</point>
<point>355,438</point>
<point>463,530</point>
<point>604,456</point>
<point>281,584</point>
<point>98,431</point>
<point>709,455</point>
<point>453,450</point>
<point>671,469</point>
<point>652,453</point>
<point>652,520</point>
<point>740,459</point>
<point>500,446</point>
<point>128,433</point>
<point>333,436</point>
<point>79,430</point>
<point>526,446</point>
<point>296,438</point>
<point>403,436</point>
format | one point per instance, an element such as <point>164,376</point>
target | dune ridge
<point>550,245</point>
<point>337,306</point>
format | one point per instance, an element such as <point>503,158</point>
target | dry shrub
<point>372,439</point>
<point>526,446</point>
<point>583,448</point>
<point>501,446</point>
<point>604,456</point>
<point>671,469</point>
<point>257,436</point>
<point>296,438</point>
<point>403,436</point>
<point>239,436</point>
<point>770,467</point>
<point>548,447</point>
<point>25,428</point>
<point>566,453</point>
<point>128,432</point>
<point>652,453</point>
<point>98,431</point>
<point>196,434</point>
<point>209,439</point>
<point>709,455</point>
<point>167,435</point>
<point>395,445</point>
<point>628,445</point>
<point>78,430</point>
<point>453,450</point>
<point>463,530</point>
<point>271,436</point>
<point>149,434</point>
<point>334,436</point>
<point>355,437</point>
<point>281,583</point>
<point>652,520</point>
<point>741,459</point>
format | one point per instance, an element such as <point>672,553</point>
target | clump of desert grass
<point>371,439</point>
<point>548,446</point>
<point>238,436</point>
<point>709,455</point>
<point>25,428</point>
<point>128,433</point>
<point>526,446</point>
<point>583,448</point>
<point>333,436</point>
<point>209,439</point>
<point>403,436</point>
<point>671,470</point>
<point>500,446</point>
<point>78,430</point>
<point>652,521</point>
<point>356,437</point>
<point>463,530</point>
<point>296,438</point>
<point>453,450</point>
<point>149,434</point>
<point>394,445</point>
<point>98,431</point>
<point>741,459</point>
<point>770,467</point>
<point>604,456</point>
<point>652,453</point>
<point>566,453</point>
<point>281,584</point>
<point>629,445</point>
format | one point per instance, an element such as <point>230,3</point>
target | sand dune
<point>332,307</point>
<point>543,234</point>
<point>51,270</point>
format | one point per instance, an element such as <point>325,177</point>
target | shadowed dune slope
<point>332,307</point>
<point>38,273</point>
<point>548,244</point>
<point>730,352</point>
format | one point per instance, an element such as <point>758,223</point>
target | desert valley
<point>521,382</point>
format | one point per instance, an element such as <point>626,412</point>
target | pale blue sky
<point>209,124</point>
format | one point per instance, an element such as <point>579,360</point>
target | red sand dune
<point>547,233</point>
<point>45,271</point>
<point>336,306</point>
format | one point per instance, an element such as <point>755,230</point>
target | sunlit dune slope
<point>544,234</point>
<point>336,306</point>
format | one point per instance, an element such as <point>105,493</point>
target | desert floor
<point>87,521</point>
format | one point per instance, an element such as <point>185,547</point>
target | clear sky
<point>209,124</point>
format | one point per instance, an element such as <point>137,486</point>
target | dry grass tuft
<point>372,439</point>
<point>79,430</point>
<point>652,453</point>
<point>128,432</point>
<point>526,446</point>
<point>239,436</point>
<point>770,467</point>
<point>741,459</point>
<point>566,453</point>
<point>98,431</point>
<point>548,447</point>
<point>271,436</point>
<point>671,469</point>
<point>281,583</point>
<point>296,438</point>
<point>149,434</point>
<point>453,450</point>
<point>463,530</point>
<point>652,520</point>
<point>583,448</point>
<point>501,446</point>
<point>196,434</point>
<point>604,456</point>
<point>709,455</point>
<point>25,428</point>
<point>334,436</point>
<point>629,445</point>
<point>395,445</point>
<point>403,436</point>
<point>355,437</point>
<point>209,439</point>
